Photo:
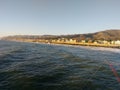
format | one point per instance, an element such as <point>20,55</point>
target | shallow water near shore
<point>30,66</point>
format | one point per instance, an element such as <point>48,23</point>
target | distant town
<point>109,38</point>
<point>74,42</point>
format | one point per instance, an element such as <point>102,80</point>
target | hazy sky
<point>58,16</point>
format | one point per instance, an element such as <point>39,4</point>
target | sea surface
<point>32,66</point>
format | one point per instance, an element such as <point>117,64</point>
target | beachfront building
<point>117,42</point>
<point>83,41</point>
<point>72,41</point>
<point>65,40</point>
<point>112,42</point>
<point>58,40</point>
<point>105,42</point>
<point>53,40</point>
<point>102,42</point>
<point>95,42</point>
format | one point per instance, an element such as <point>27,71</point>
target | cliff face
<point>102,35</point>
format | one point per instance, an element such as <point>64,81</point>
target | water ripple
<point>25,66</point>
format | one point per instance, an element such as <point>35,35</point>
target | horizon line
<point>55,34</point>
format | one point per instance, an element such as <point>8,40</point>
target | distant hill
<point>102,35</point>
<point>107,35</point>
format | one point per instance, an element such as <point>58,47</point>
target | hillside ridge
<point>112,34</point>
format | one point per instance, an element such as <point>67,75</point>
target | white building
<point>117,42</point>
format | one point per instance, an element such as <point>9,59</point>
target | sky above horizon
<point>56,17</point>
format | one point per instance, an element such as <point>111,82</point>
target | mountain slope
<point>107,35</point>
<point>102,35</point>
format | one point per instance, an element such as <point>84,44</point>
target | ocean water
<point>31,66</point>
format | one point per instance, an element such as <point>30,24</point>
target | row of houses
<point>63,40</point>
<point>71,41</point>
<point>115,42</point>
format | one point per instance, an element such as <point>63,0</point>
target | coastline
<point>72,44</point>
<point>89,45</point>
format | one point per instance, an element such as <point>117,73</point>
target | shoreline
<point>73,44</point>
